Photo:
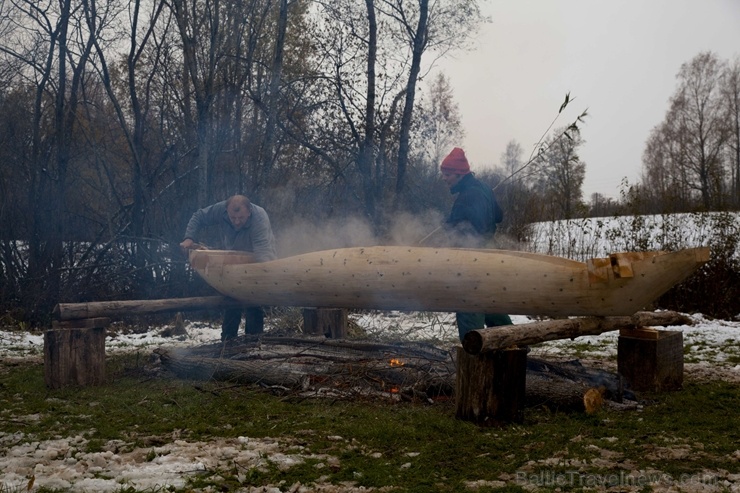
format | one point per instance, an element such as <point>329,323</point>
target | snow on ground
<point>708,341</point>
<point>712,350</point>
<point>63,464</point>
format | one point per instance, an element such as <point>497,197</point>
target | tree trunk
<point>72,311</point>
<point>268,149</point>
<point>494,338</point>
<point>419,42</point>
<point>252,371</point>
<point>562,395</point>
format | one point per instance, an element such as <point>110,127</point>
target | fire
<point>395,390</point>
<point>396,362</point>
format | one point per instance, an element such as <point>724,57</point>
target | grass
<point>411,447</point>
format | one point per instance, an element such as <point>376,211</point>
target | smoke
<point>304,236</point>
<point>299,231</point>
<point>415,229</point>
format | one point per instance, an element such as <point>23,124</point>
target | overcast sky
<point>617,58</point>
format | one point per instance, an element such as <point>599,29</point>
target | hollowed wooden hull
<point>449,279</point>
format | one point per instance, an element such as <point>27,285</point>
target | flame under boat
<point>450,279</point>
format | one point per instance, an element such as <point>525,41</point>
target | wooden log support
<point>85,323</point>
<point>493,338</point>
<point>73,311</point>
<point>651,360</point>
<point>329,322</point>
<point>75,356</point>
<point>490,387</point>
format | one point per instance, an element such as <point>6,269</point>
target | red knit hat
<point>456,162</point>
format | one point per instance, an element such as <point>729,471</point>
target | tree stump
<point>75,356</point>
<point>490,387</point>
<point>329,322</point>
<point>651,360</point>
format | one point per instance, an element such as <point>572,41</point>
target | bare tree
<point>201,27</point>
<point>418,35</point>
<point>731,94</point>
<point>273,96</point>
<point>664,177</point>
<point>439,123</point>
<point>441,26</point>
<point>563,172</point>
<point>132,107</point>
<point>371,59</point>
<point>512,158</point>
<point>701,127</point>
<point>52,47</point>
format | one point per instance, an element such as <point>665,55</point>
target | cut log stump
<point>490,387</point>
<point>328,322</point>
<point>651,360</point>
<point>75,356</point>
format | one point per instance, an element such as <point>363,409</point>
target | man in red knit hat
<point>471,224</point>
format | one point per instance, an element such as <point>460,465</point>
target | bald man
<point>242,226</point>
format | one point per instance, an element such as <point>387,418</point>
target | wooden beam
<point>493,338</point>
<point>82,323</point>
<point>112,309</point>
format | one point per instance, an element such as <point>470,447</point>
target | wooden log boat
<point>450,279</point>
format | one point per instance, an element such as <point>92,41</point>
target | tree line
<point>120,118</point>
<point>692,158</point>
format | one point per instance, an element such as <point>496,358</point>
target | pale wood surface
<point>95,309</point>
<point>447,279</point>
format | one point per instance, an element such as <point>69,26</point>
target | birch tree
<point>563,173</point>
<point>731,95</point>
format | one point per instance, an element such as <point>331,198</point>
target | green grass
<point>412,447</point>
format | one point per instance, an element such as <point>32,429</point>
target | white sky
<point>617,58</point>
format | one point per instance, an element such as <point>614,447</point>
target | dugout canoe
<point>450,279</point>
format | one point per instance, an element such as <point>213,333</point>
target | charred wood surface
<point>297,364</point>
<point>569,386</point>
<point>320,367</point>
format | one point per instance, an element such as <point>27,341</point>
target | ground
<point>712,351</point>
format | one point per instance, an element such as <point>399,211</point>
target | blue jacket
<point>471,222</point>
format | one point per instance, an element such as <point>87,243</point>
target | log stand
<point>74,353</point>
<point>490,387</point>
<point>329,322</point>
<point>491,382</point>
<point>650,360</point>
<point>74,350</point>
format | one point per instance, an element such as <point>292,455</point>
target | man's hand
<point>187,245</point>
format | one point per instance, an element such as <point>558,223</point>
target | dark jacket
<point>471,222</point>
<point>256,235</point>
